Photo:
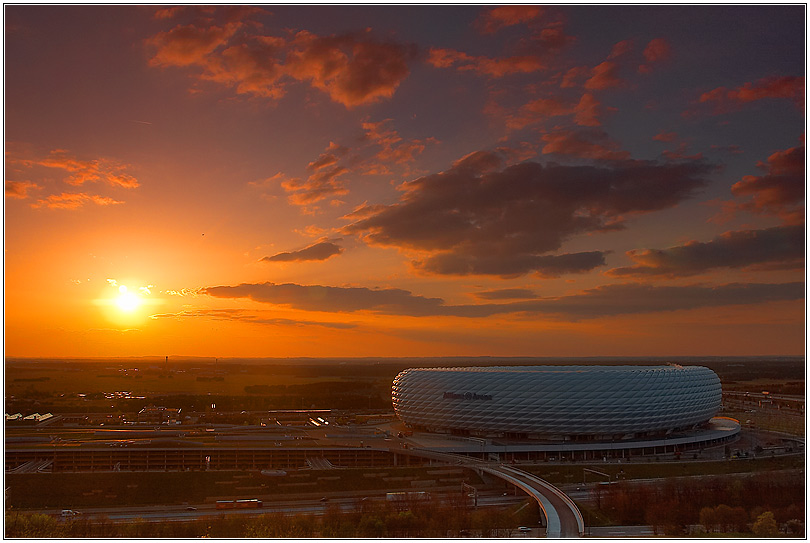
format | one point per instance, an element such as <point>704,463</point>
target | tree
<point>765,526</point>
<point>708,518</point>
<point>739,519</point>
<point>371,526</point>
<point>724,516</point>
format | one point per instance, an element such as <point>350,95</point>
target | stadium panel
<point>595,402</point>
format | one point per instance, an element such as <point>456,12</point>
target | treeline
<point>724,503</point>
<point>429,519</point>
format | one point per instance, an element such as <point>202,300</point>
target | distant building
<point>33,418</point>
<point>583,403</point>
<point>159,415</point>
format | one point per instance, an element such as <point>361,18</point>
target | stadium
<point>559,403</point>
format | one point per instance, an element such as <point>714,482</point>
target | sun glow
<point>127,301</point>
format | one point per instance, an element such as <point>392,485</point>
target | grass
<point>557,474</point>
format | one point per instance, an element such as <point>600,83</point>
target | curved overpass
<point>563,518</point>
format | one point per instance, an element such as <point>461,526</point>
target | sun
<point>127,301</point>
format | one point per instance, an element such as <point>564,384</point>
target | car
<point>524,529</point>
<point>324,499</point>
<point>191,508</point>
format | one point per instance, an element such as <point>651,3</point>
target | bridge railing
<point>559,493</point>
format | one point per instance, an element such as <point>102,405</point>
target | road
<point>316,507</point>
<point>563,518</point>
<point>620,531</point>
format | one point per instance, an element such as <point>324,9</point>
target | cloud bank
<point>479,217</point>
<point>780,247</point>
<point>603,301</point>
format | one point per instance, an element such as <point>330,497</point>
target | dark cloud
<point>318,251</point>
<point>624,299</point>
<point>604,301</point>
<point>333,299</point>
<point>478,217</point>
<point>450,263</point>
<point>241,315</point>
<point>506,294</point>
<point>19,189</point>
<point>782,246</point>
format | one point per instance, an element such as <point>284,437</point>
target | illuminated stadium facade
<point>582,403</point>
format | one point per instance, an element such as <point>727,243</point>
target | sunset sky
<point>405,181</point>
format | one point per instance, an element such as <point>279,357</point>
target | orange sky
<point>353,181</point>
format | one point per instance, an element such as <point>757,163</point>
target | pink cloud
<point>666,136</point>
<point>574,76</point>
<point>504,16</point>
<point>588,111</point>
<point>780,191</point>
<point>621,49</point>
<point>657,51</point>
<point>485,66</point>
<point>352,69</point>
<point>322,184</point>
<point>189,45</point>
<point>168,13</point>
<point>552,37</point>
<point>82,171</point>
<point>73,201</point>
<point>591,144</point>
<point>723,100</point>
<point>604,76</point>
<point>393,149</point>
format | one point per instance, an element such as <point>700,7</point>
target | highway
<point>198,511</point>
